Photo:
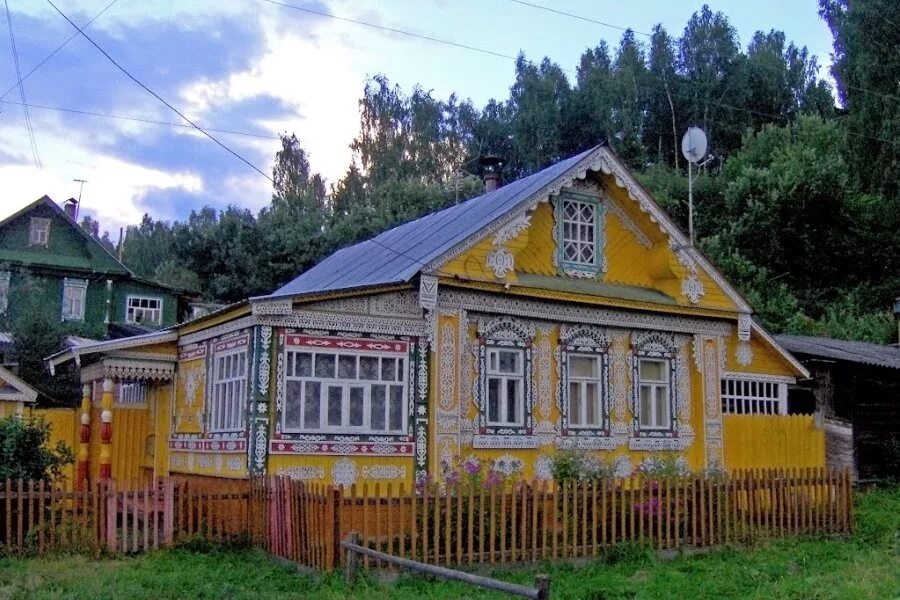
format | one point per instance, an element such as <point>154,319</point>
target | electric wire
<point>157,96</point>
<point>52,54</point>
<point>28,125</point>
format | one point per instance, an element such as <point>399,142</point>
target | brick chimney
<point>491,170</point>
<point>71,208</point>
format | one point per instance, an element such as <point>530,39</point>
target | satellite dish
<point>693,144</point>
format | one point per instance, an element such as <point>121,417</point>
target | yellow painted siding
<point>762,441</point>
<point>766,359</point>
<point>9,408</point>
<point>63,428</point>
<point>626,259</point>
<point>537,255</point>
<point>129,442</point>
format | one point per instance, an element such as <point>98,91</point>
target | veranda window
<point>753,397</point>
<point>229,392</point>
<point>505,387</point>
<point>654,394</point>
<point>585,408</point>
<point>340,392</point>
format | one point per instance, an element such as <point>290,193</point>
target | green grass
<point>865,566</point>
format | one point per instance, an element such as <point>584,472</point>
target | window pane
<point>303,364</point>
<point>591,402</point>
<point>378,406</point>
<point>368,367</point>
<point>325,365</point>
<point>357,395</point>
<point>646,417</point>
<point>662,407</point>
<point>652,370</point>
<point>396,410</point>
<point>346,367</point>
<point>388,369</point>
<point>509,362</point>
<point>582,366</point>
<point>512,401</point>
<point>492,360</point>
<point>575,403</point>
<point>293,406</point>
<point>335,396</point>
<point>493,399</point>
<point>311,405</point>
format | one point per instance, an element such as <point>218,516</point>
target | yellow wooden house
<point>563,310</point>
<point>15,394</point>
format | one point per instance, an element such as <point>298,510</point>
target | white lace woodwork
<point>448,421</point>
<point>428,291</point>
<point>713,366</point>
<point>544,426</point>
<point>501,260</point>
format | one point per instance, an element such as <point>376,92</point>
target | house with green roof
<point>44,251</point>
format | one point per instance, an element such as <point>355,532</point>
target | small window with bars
<point>578,243</point>
<point>753,397</point>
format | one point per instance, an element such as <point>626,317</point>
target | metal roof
<point>398,254</point>
<point>865,353</point>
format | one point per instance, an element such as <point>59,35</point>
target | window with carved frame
<point>230,386</point>
<point>579,234</point>
<point>584,390</point>
<point>654,386</point>
<point>504,390</point>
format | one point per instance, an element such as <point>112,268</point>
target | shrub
<point>25,451</point>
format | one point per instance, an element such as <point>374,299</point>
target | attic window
<point>39,233</point>
<point>579,235</point>
<point>143,310</point>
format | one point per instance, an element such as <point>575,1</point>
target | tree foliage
<point>797,205</point>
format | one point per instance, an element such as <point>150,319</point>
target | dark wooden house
<point>855,388</point>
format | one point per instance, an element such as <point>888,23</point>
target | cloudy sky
<point>259,67</point>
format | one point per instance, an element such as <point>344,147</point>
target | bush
<point>25,451</point>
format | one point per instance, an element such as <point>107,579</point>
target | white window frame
<point>494,373</point>
<point>753,396</point>
<point>228,415</point>
<point>70,310</point>
<point>579,240</point>
<point>656,386</point>
<point>131,393</point>
<point>583,386</point>
<point>345,384</point>
<point>39,232</point>
<point>131,317</point>
<point>5,277</point>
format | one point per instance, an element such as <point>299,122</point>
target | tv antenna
<point>693,147</point>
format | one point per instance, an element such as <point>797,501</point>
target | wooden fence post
<point>542,583</point>
<point>350,559</point>
<point>112,513</point>
<point>168,511</point>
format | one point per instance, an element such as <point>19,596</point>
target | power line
<point>873,92</point>
<point>141,120</point>
<point>157,96</point>
<point>52,54</point>
<point>579,17</point>
<point>15,53</point>
<point>391,29</point>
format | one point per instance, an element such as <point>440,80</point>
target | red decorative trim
<point>222,446</point>
<point>337,343</point>
<point>82,474</point>
<point>232,344</point>
<point>106,432</point>
<point>191,352</point>
<point>105,471</point>
<point>84,433</point>
<point>342,448</point>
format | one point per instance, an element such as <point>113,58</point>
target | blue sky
<point>258,68</point>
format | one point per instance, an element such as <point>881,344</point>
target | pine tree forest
<point>799,204</point>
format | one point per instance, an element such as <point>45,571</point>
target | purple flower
<point>472,467</point>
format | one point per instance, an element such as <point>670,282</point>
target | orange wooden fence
<point>305,522</point>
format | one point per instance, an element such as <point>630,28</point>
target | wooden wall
<point>765,441</point>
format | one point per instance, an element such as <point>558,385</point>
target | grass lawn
<point>866,566</point>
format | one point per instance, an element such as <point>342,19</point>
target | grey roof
<point>398,254</point>
<point>856,352</point>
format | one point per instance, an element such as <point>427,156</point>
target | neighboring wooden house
<point>79,279</point>
<point>563,310</point>
<point>855,387</point>
<point>15,394</point>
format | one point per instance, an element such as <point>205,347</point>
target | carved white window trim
<point>504,333</point>
<point>583,340</point>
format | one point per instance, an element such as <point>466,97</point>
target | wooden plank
<point>534,521</point>
<point>471,524</point>
<point>502,525</point>
<point>641,515</point>
<point>20,501</point>
<point>565,488</point>
<point>583,522</point>
<point>622,528</point>
<point>481,529</point>
<point>545,528</point>
<point>556,490</point>
<point>523,519</point>
<point>8,494</point>
<point>604,505</point>
<point>513,524</point>
<point>594,509</point>
<point>632,492</point>
<point>448,523</point>
<point>493,521</point>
